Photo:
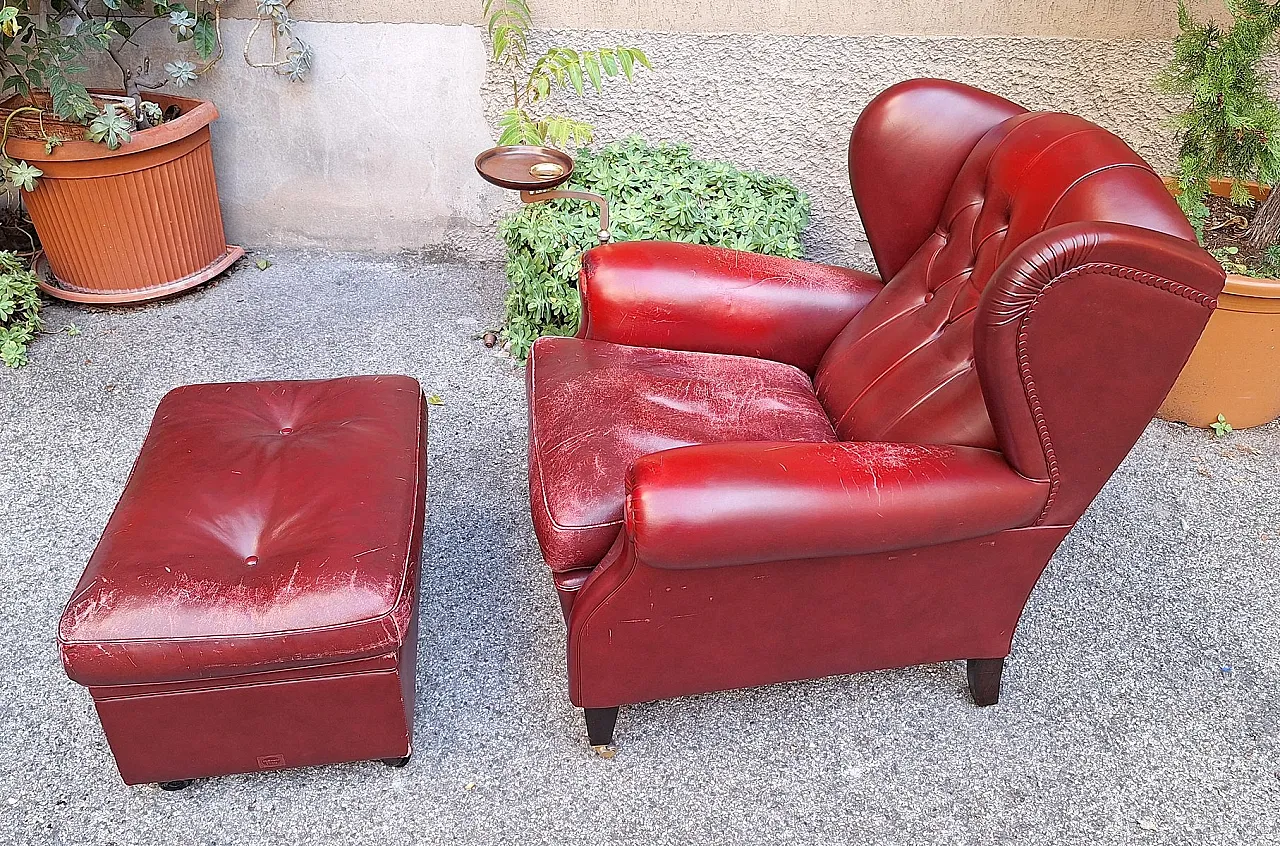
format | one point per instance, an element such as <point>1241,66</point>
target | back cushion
<point>903,369</point>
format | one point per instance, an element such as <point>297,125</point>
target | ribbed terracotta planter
<point>131,224</point>
<point>1235,368</point>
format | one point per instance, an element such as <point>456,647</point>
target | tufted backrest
<point>904,369</point>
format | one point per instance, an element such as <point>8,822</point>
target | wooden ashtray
<point>524,168</point>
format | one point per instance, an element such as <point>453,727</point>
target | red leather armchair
<point>746,469</point>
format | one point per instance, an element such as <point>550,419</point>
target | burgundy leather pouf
<point>252,604</point>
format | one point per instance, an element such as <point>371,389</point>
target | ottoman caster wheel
<point>397,762</point>
<point>178,784</point>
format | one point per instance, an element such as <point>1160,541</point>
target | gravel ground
<point>1141,703</point>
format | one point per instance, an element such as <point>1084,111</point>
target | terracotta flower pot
<point>131,224</point>
<point>1235,368</point>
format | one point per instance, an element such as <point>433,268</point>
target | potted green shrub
<point>1229,162</point>
<point>125,173</point>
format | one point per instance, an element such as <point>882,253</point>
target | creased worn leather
<point>709,299</point>
<point>725,505</point>
<point>265,525</point>
<point>597,407</point>
<point>1044,290</point>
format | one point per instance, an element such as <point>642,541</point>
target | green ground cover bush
<point>655,192</point>
<point>19,309</point>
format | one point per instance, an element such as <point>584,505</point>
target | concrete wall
<point>375,151</point>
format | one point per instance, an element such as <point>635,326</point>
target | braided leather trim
<point>1029,280</point>
<point>1021,305</point>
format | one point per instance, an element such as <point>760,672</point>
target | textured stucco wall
<point>968,18</point>
<point>375,151</point>
<point>785,104</point>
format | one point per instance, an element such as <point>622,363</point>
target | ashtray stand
<point>542,196</point>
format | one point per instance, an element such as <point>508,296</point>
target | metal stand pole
<point>542,196</point>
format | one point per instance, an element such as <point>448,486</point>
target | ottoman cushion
<point>265,526</point>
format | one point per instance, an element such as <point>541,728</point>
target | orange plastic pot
<point>1235,368</point>
<point>132,224</point>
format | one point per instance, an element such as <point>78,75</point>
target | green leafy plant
<point>1230,128</point>
<point>1226,257</point>
<point>655,193</point>
<point>45,44</point>
<point>1268,267</point>
<point>1221,428</point>
<point>19,309</point>
<point>559,68</point>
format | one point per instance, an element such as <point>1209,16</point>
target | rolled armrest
<point>717,505</point>
<point>708,299</point>
<point>1088,321</point>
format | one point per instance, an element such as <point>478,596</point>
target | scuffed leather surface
<point>1044,290</point>
<point>265,525</point>
<point>726,505</point>
<point>597,407</point>
<point>903,369</point>
<point>709,299</point>
<point>639,633</point>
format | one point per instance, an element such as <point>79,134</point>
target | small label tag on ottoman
<point>270,762</point>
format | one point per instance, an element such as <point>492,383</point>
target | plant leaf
<point>592,65</point>
<point>205,37</point>
<point>23,175</point>
<point>111,127</point>
<point>181,73</point>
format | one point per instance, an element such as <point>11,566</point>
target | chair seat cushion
<point>596,407</point>
<point>265,525</point>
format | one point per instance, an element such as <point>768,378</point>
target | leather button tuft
<point>287,430</point>
<point>251,561</point>
<point>928,297</point>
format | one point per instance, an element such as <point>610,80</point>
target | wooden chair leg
<point>600,725</point>
<point>984,680</point>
